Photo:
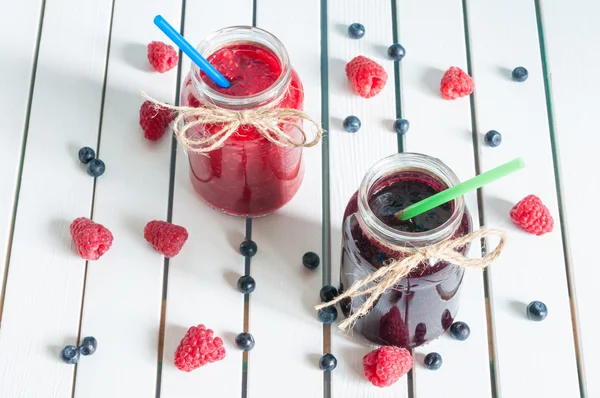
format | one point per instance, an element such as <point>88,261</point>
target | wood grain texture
<point>531,267</point>
<point>45,278</point>
<point>571,32</point>
<point>442,129</point>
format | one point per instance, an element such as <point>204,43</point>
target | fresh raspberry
<point>165,237</point>
<point>161,56</point>
<point>531,215</point>
<point>392,328</point>
<point>385,365</point>
<point>154,120</point>
<point>92,240</point>
<point>368,78</point>
<point>197,348</point>
<point>456,83</point>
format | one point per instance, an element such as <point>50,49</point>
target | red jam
<point>248,176</point>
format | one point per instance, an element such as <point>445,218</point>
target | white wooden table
<point>70,76</point>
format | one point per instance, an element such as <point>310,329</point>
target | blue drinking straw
<point>191,52</point>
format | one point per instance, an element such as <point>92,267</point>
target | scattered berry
<point>161,56</point>
<point>520,74</point>
<point>532,216</point>
<point>493,138</point>
<point>197,348</point>
<point>433,361</point>
<point>356,30</point>
<point>368,78</point>
<point>328,315</point>
<point>392,328</point>
<point>154,120</point>
<point>456,83</point>
<point>328,293</point>
<point>352,124</point>
<point>311,260</point>
<point>165,237</point>
<point>88,346</point>
<point>246,284</point>
<point>96,167</point>
<point>92,240</point>
<point>70,354</point>
<point>537,311</point>
<point>248,248</point>
<point>385,365</point>
<point>460,331</point>
<point>86,154</point>
<point>328,362</point>
<point>244,341</point>
<point>401,126</point>
<point>396,52</point>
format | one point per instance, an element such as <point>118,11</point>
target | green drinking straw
<point>458,190</point>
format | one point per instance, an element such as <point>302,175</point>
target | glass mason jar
<point>248,175</point>
<point>425,302</point>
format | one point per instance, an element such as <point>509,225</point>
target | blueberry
<point>328,293</point>
<point>244,341</point>
<point>86,154</point>
<point>433,361</point>
<point>537,311</point>
<point>401,126</point>
<point>248,248</point>
<point>70,354</point>
<point>352,124</point>
<point>311,260</point>
<point>460,331</point>
<point>328,315</point>
<point>493,138</point>
<point>96,167</point>
<point>88,346</point>
<point>356,30</point>
<point>246,284</point>
<point>396,52</point>
<point>520,74</point>
<point>328,362</point>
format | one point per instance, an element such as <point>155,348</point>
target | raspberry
<point>197,348</point>
<point>368,78</point>
<point>456,83</point>
<point>154,120</point>
<point>161,56</point>
<point>92,240</point>
<point>165,237</point>
<point>532,216</point>
<point>392,328</point>
<point>385,365</point>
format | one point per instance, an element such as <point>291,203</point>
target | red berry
<point>165,237</point>
<point>368,78</point>
<point>385,365</point>
<point>161,56</point>
<point>154,120</point>
<point>197,348</point>
<point>532,216</point>
<point>456,83</point>
<point>392,328</point>
<point>92,240</point>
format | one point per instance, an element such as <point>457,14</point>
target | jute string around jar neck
<point>269,121</point>
<point>394,270</point>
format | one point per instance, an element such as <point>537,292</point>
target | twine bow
<point>269,121</point>
<point>395,269</point>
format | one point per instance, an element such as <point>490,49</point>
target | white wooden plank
<point>134,275</point>
<point>570,32</point>
<point>202,278</point>
<point>532,267</point>
<point>18,38</point>
<point>351,155</point>
<point>448,137</point>
<point>282,318</point>
<point>45,278</point>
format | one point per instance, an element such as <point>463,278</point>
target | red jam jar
<point>425,302</point>
<point>247,176</point>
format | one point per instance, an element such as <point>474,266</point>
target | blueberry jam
<point>423,304</point>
